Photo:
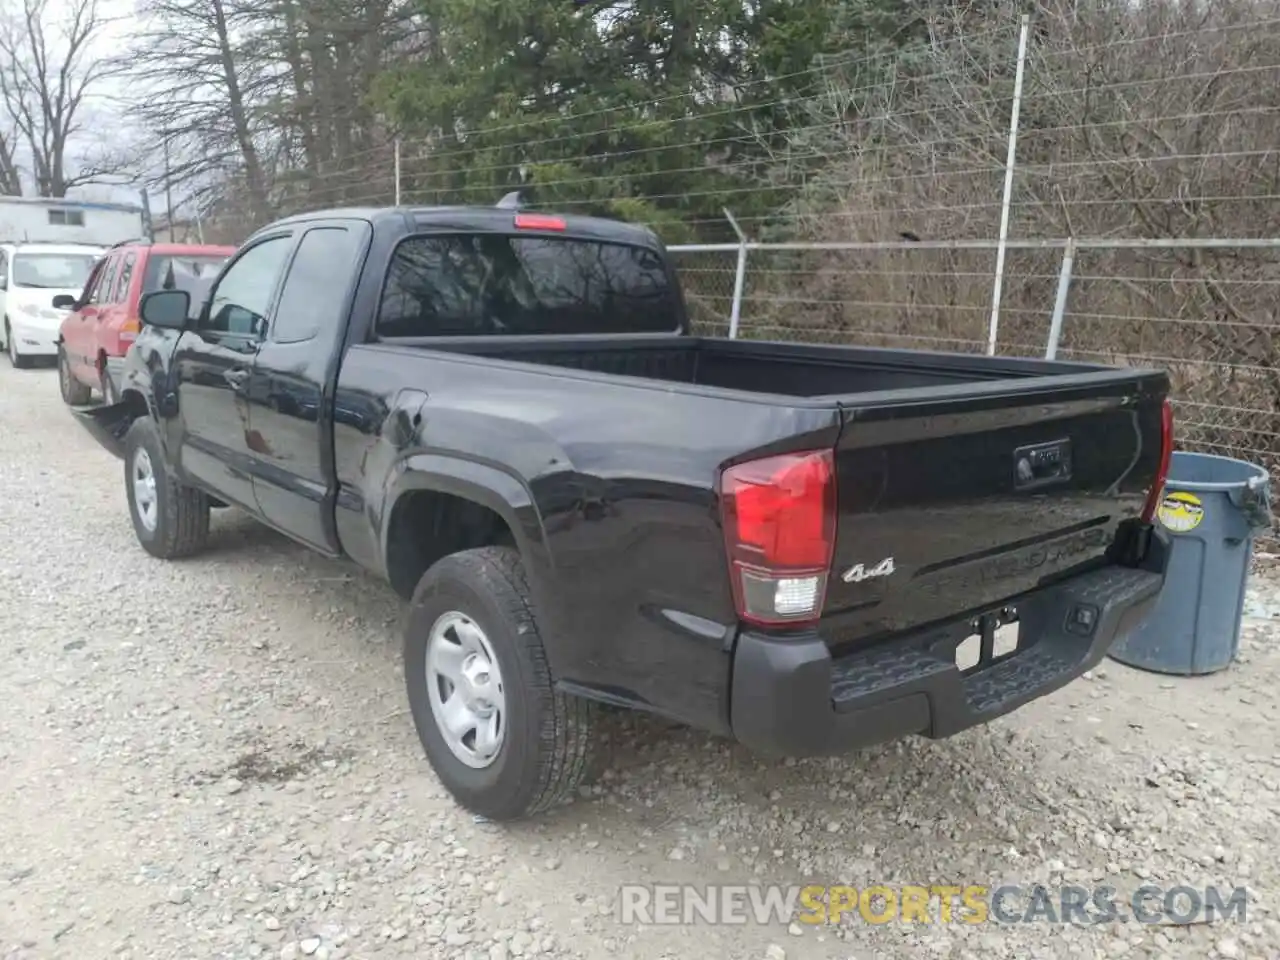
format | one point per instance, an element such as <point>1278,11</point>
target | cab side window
<point>242,298</point>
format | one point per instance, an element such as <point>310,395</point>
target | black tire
<point>550,738</point>
<point>16,359</point>
<point>106,387</point>
<point>74,393</point>
<point>181,514</point>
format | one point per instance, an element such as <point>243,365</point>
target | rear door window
<point>497,284</point>
<point>106,281</point>
<point>315,291</point>
<point>124,278</point>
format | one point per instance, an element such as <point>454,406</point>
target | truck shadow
<point>235,535</point>
<point>924,806</point>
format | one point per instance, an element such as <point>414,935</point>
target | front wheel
<point>18,361</point>
<point>74,393</point>
<point>499,736</point>
<point>170,519</point>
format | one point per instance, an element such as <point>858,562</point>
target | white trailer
<point>59,220</point>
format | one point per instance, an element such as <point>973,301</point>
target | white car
<point>31,275</point>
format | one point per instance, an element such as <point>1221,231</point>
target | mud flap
<point>108,425</point>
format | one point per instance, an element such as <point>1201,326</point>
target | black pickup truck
<point>504,415</point>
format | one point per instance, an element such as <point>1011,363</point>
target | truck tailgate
<point>954,499</point>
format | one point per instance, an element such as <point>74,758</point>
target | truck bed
<point>927,448</point>
<point>761,367</point>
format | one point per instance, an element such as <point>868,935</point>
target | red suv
<point>103,323</point>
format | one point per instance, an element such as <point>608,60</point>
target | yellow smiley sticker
<point>1181,512</point>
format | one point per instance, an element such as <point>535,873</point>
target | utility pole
<point>168,191</point>
<point>148,225</point>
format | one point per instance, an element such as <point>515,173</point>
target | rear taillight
<point>779,517</point>
<point>130,329</point>
<point>1162,472</point>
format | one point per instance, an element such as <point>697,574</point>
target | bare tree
<point>46,72</point>
<point>264,106</point>
<point>199,91</point>
<point>10,180</point>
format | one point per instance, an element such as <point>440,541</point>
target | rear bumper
<point>791,697</point>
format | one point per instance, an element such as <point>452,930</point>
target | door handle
<point>236,377</point>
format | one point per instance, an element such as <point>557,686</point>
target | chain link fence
<point>1205,314</point>
<point>1144,136</point>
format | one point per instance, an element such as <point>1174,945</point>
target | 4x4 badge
<point>859,572</point>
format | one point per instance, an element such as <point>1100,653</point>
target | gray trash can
<point>1211,509</point>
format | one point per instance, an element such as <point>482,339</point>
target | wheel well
<point>137,404</point>
<point>426,525</point>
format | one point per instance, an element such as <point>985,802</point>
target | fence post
<point>739,278</point>
<point>1008,185</point>
<point>1060,301</point>
<point>396,147</point>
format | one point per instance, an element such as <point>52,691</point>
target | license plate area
<point>993,637</point>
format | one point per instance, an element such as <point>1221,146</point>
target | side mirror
<point>167,309</point>
<point>64,301</point>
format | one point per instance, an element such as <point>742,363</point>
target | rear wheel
<point>74,393</point>
<point>499,736</point>
<point>106,385</point>
<point>170,519</point>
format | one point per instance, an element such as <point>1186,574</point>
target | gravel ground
<point>213,759</point>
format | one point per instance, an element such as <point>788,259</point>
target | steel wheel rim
<point>465,690</point>
<point>144,489</point>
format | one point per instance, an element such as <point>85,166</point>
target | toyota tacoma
<point>505,415</point>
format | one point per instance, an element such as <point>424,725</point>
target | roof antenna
<point>511,201</point>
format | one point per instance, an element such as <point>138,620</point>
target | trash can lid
<point>1207,473</point>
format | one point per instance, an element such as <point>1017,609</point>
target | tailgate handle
<point>1041,464</point>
